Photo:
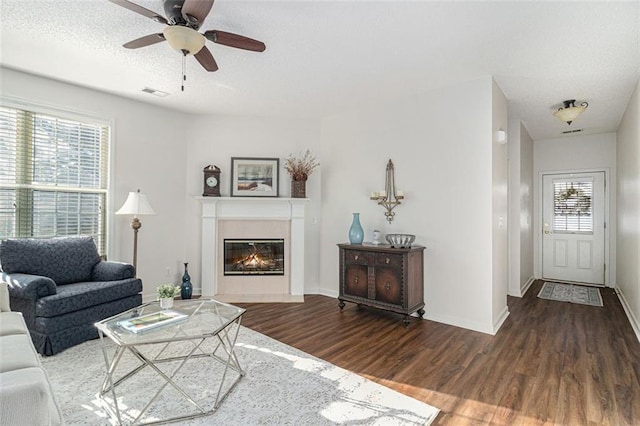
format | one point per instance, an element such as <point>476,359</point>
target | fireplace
<point>262,219</point>
<point>253,257</point>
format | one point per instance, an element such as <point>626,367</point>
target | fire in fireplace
<point>254,257</point>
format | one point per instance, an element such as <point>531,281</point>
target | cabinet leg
<point>341,304</point>
<point>405,320</point>
<point>421,312</point>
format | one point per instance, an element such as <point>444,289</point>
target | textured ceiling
<point>324,57</point>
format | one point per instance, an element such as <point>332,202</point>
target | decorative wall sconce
<point>389,198</point>
<point>570,111</point>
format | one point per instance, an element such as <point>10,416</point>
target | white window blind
<point>53,176</point>
<point>573,210</point>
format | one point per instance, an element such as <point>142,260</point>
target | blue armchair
<point>62,288</point>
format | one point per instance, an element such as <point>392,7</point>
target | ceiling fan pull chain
<point>184,68</point>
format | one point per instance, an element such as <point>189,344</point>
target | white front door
<point>573,227</point>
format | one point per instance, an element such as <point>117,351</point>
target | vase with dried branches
<point>300,168</point>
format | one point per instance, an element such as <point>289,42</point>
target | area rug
<point>282,386</point>
<point>571,293</point>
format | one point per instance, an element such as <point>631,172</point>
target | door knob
<point>546,231</point>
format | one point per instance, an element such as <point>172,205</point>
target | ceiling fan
<point>183,19</point>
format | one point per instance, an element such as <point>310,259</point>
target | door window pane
<point>572,206</point>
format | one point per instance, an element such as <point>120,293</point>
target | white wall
<point>576,153</point>
<point>147,153</point>
<point>628,230</point>
<point>500,208</point>
<point>520,208</point>
<point>444,164</point>
<point>525,218</point>
<point>215,139</point>
<point>441,146</point>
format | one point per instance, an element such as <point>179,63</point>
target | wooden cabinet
<point>382,277</point>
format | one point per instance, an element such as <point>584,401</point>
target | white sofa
<point>26,397</point>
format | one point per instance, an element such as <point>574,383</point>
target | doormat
<point>571,293</point>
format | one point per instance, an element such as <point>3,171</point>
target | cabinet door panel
<point>389,286</point>
<point>355,280</point>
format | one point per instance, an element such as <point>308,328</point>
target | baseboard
<point>635,324</point>
<point>520,292</point>
<point>323,292</point>
<point>258,298</point>
<point>241,298</point>
<point>501,319</point>
<point>460,322</point>
<point>527,285</point>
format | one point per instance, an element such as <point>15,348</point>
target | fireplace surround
<point>253,218</point>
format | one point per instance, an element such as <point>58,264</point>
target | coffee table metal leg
<point>108,380</point>
<point>168,380</point>
<point>231,360</point>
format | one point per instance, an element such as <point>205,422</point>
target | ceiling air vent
<point>155,92</point>
<point>568,132</point>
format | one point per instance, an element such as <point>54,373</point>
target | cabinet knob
<point>356,257</point>
<point>387,261</point>
<point>387,285</point>
<point>355,280</point>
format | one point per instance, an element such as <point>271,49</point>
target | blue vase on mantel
<point>356,233</point>
<point>186,289</point>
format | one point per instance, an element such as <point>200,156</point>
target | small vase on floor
<point>166,302</point>
<point>356,233</point>
<point>186,289</point>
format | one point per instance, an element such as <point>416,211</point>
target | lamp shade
<point>137,205</point>
<point>184,39</point>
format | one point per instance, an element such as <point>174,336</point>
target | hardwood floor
<point>550,363</point>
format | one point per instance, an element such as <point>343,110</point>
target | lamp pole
<point>135,225</point>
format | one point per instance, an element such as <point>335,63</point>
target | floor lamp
<point>136,205</point>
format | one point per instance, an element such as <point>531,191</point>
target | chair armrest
<point>26,286</point>
<point>4,297</point>
<point>112,271</point>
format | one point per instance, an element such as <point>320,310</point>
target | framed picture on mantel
<point>254,177</point>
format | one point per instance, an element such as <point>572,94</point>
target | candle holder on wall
<point>389,198</point>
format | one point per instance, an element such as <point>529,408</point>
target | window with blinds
<point>53,176</point>
<point>573,206</point>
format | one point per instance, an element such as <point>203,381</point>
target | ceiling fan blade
<point>205,58</point>
<point>141,10</point>
<point>235,40</point>
<point>147,40</point>
<point>199,9</point>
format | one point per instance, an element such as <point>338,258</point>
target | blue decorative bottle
<point>186,288</point>
<point>356,234</point>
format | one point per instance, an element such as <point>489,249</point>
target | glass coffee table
<point>202,330</point>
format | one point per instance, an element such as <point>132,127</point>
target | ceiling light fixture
<point>185,40</point>
<point>570,111</point>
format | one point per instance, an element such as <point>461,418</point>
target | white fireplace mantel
<point>215,209</point>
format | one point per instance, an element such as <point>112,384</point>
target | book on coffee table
<point>151,321</point>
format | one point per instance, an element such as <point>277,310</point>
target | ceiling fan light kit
<point>184,39</point>
<point>570,111</point>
